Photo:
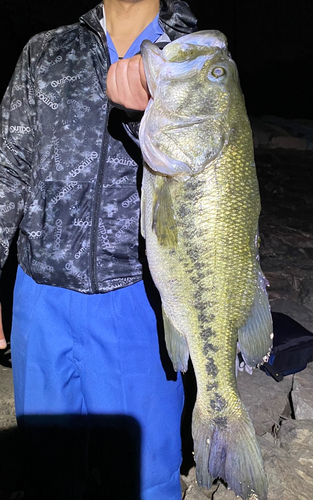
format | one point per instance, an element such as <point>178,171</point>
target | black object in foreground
<point>292,347</point>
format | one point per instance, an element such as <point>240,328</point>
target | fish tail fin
<point>201,434</point>
<point>231,452</point>
<point>244,468</point>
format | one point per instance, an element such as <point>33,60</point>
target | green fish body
<point>200,210</point>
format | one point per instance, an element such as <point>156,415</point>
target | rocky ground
<point>284,433</point>
<point>282,412</point>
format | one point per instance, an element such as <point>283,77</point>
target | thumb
<point>143,79</point>
<point>3,342</point>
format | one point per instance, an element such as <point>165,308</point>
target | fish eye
<point>218,72</point>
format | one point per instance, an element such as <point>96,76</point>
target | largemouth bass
<point>200,209</point>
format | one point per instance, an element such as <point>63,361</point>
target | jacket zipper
<point>97,203</point>
<point>99,187</point>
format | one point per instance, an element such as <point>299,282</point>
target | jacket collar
<point>92,19</point>
<point>176,18</point>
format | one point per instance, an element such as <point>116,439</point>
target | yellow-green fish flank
<point>200,209</point>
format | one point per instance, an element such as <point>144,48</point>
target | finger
<point>111,82</point>
<point>137,85</point>
<point>143,78</point>
<point>117,82</point>
<point>124,84</point>
<point>3,342</point>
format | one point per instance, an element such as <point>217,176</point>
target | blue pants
<point>98,359</point>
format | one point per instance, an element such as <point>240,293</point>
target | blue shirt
<point>152,32</point>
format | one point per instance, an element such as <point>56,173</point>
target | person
<point>86,340</point>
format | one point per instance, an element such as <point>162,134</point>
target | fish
<point>200,207</point>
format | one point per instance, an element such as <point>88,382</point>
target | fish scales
<point>200,209</point>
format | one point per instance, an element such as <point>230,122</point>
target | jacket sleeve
<point>17,129</point>
<point>132,129</point>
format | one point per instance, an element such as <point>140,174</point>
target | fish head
<point>193,82</point>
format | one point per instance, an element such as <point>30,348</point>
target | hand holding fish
<point>127,85</point>
<point>3,343</point>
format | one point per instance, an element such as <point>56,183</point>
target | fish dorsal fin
<point>163,222</point>
<point>176,344</point>
<point>255,338</point>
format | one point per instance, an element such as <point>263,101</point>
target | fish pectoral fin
<point>176,344</point>
<point>163,221</point>
<point>255,338</point>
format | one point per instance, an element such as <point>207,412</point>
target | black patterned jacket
<point>69,176</point>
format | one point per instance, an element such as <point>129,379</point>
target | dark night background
<point>271,42</point>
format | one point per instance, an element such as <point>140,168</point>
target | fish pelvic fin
<point>176,344</point>
<point>255,338</point>
<point>163,222</point>
<point>231,452</point>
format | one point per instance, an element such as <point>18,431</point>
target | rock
<point>287,477</point>
<point>7,414</point>
<point>195,493</point>
<point>294,309</point>
<point>190,479</point>
<point>306,293</point>
<point>274,132</point>
<point>222,493</point>
<point>288,143</point>
<point>302,394</point>
<point>261,133</point>
<point>270,437</point>
<point>288,464</point>
<point>264,398</point>
<point>286,229</point>
<point>296,434</point>
<point>192,490</point>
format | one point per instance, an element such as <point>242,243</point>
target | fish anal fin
<point>176,344</point>
<point>163,221</point>
<point>229,451</point>
<point>255,338</point>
